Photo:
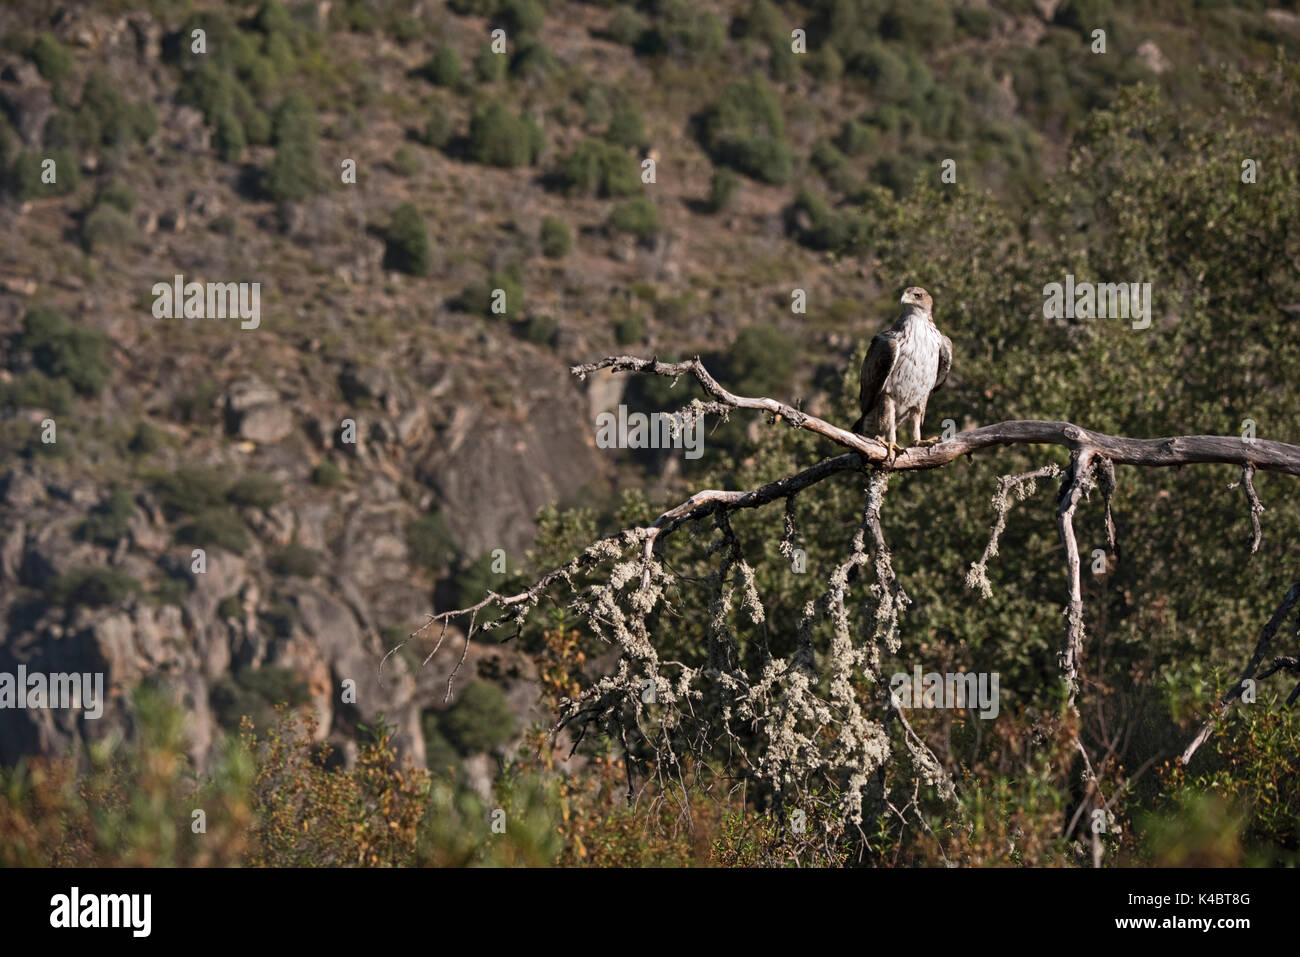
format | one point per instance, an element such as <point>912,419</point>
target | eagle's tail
<point>860,426</point>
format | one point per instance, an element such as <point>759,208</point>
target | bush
<point>51,57</point>
<point>106,227</point>
<point>107,119</point>
<point>255,490</point>
<point>745,130</point>
<point>761,360</point>
<point>438,130</point>
<point>600,168</point>
<point>496,138</point>
<point>36,390</point>
<point>327,475</point>
<point>479,721</point>
<point>191,489</point>
<point>117,195</point>
<point>429,543</point>
<point>685,33</point>
<point>555,238</point>
<point>221,527</point>
<point>107,522</point>
<point>541,330</point>
<point>293,559</point>
<point>626,26</point>
<point>630,330</point>
<point>639,217</point>
<point>64,351</point>
<point>627,129</point>
<point>407,242</point>
<point>228,137</point>
<point>479,297</point>
<point>254,692</point>
<point>405,161</point>
<point>722,189</point>
<point>521,18</point>
<point>91,587</point>
<point>292,174</point>
<point>444,68</point>
<point>25,174</point>
<point>490,67</point>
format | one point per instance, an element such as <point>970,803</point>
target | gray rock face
<point>254,412</point>
<point>492,478</point>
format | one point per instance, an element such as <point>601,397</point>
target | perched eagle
<point>904,364</point>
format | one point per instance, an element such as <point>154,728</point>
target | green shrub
<point>444,67</point>
<point>405,161</point>
<point>532,61</point>
<point>630,330</point>
<point>51,57</point>
<point>35,390</point>
<point>627,129</point>
<point>761,360</point>
<point>255,692</point>
<point>429,543</point>
<point>722,188</point>
<point>228,137</point>
<point>293,559</point>
<point>230,607</point>
<point>490,67</point>
<point>555,238</point>
<point>191,489</point>
<point>639,217</point>
<point>106,227</point>
<point>293,174</point>
<point>541,330</point>
<point>327,475</point>
<point>221,527</point>
<point>600,168</point>
<point>479,297</point>
<point>25,180</point>
<point>626,26</point>
<point>685,32</point>
<point>745,130</point>
<point>107,119</point>
<point>255,490</point>
<point>91,587</point>
<point>480,720</point>
<point>118,195</point>
<point>521,18</point>
<point>438,131</point>
<point>107,522</point>
<point>497,138</point>
<point>144,440</point>
<point>65,351</point>
<point>407,246</point>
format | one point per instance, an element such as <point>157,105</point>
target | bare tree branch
<point>810,729</point>
<point>1263,648</point>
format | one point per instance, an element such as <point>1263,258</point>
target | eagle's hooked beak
<point>905,299</point>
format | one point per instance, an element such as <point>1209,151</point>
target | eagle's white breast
<point>916,366</point>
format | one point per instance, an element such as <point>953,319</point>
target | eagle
<point>904,364</point>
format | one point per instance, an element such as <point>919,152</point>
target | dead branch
<point>804,734</point>
<point>1263,649</point>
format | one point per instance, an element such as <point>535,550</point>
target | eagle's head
<point>918,297</point>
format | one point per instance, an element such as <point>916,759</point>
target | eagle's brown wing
<point>945,361</point>
<point>875,367</point>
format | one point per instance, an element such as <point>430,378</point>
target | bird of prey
<point>904,364</point>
